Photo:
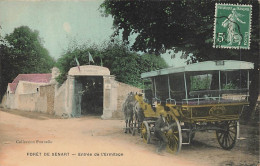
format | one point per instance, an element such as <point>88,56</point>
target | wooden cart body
<point>191,109</point>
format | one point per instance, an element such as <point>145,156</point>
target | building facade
<point>88,90</point>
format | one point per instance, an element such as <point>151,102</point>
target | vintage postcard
<point>129,83</point>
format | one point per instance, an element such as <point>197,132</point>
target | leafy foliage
<point>200,82</point>
<point>229,86</point>
<point>127,66</point>
<point>28,53</point>
<point>23,53</point>
<point>182,25</point>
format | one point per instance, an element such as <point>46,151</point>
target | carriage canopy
<point>225,65</point>
<point>212,80</point>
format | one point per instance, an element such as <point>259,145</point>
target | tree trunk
<point>253,91</point>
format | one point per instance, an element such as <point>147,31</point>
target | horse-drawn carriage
<point>203,96</point>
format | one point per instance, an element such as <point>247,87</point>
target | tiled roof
<point>36,78</point>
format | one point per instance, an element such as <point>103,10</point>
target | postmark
<point>232,26</point>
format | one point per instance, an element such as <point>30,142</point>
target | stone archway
<point>74,90</point>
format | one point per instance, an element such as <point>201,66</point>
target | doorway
<point>91,95</point>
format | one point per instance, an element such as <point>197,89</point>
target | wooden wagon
<point>203,96</point>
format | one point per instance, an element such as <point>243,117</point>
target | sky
<point>57,22</point>
<point>60,22</point>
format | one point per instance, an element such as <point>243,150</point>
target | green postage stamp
<point>232,26</point>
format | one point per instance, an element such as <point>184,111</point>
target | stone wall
<point>65,101</point>
<point>122,92</point>
<point>27,101</point>
<point>31,96</point>
<point>8,101</point>
<point>60,99</point>
<point>45,101</point>
<point>29,87</point>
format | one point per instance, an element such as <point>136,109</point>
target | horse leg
<point>126,121</point>
<point>129,124</point>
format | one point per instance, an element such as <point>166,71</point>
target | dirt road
<point>29,139</point>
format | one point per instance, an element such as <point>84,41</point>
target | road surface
<point>29,139</point>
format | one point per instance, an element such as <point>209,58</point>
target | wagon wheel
<point>145,132</point>
<point>227,135</point>
<point>174,136</point>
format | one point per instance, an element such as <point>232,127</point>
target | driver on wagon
<point>160,127</point>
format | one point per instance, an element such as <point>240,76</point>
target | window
<point>177,86</point>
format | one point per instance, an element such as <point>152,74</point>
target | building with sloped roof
<point>38,79</point>
<point>26,92</point>
<point>88,90</point>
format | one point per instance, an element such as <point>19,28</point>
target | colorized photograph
<point>129,83</point>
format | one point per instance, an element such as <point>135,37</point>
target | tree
<point>121,62</point>
<point>67,60</point>
<point>25,54</point>
<point>183,26</point>
<point>4,45</point>
<point>127,66</point>
<point>28,53</point>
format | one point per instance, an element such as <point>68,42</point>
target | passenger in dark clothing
<point>160,128</point>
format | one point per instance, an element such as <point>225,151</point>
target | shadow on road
<point>29,114</point>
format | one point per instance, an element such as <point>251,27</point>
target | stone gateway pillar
<point>70,95</point>
<point>110,96</point>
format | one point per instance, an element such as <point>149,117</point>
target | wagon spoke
<point>227,138</point>
<point>176,132</point>
<point>221,135</point>
<point>145,132</point>
<point>227,141</point>
<point>230,136</point>
<point>222,139</point>
<point>232,131</point>
<point>174,137</point>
